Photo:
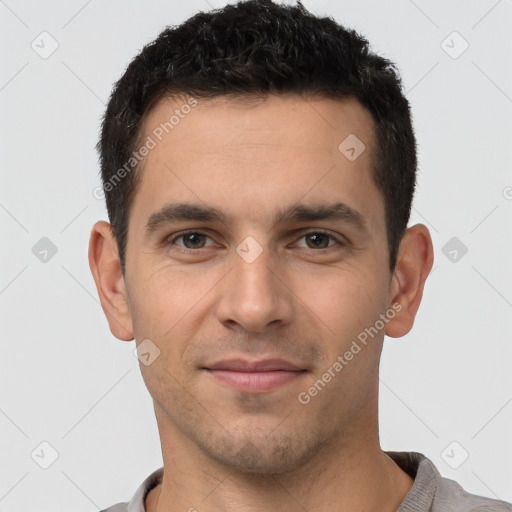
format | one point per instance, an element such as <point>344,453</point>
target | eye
<point>190,240</point>
<point>320,240</point>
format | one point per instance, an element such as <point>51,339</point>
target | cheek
<point>169,306</point>
<point>344,301</point>
<point>162,299</point>
<point>352,290</point>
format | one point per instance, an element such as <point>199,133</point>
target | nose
<point>255,295</point>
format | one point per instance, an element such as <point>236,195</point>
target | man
<point>259,167</point>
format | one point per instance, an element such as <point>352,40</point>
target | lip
<point>264,365</point>
<point>255,376</point>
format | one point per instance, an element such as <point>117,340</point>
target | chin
<point>265,455</point>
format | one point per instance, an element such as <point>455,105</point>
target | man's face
<point>258,286</point>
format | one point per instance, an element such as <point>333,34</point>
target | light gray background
<point>66,380</point>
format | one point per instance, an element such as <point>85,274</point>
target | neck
<point>354,476</point>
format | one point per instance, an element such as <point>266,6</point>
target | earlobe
<point>414,262</point>
<point>106,269</point>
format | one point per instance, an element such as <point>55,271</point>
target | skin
<point>224,449</point>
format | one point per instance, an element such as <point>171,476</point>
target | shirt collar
<point>421,495</point>
<point>136,504</point>
<point>418,499</point>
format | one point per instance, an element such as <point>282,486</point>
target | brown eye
<point>190,240</point>
<point>193,240</point>
<point>319,240</point>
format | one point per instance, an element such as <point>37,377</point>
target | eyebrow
<point>176,212</point>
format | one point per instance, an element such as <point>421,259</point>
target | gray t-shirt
<point>430,492</point>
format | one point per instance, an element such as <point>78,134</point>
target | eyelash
<point>172,239</point>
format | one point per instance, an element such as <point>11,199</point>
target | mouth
<point>255,376</point>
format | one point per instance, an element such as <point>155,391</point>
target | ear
<point>106,269</point>
<point>414,262</point>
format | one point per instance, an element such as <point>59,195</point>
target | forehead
<point>247,155</point>
<point>181,115</point>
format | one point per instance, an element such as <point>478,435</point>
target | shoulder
<point>118,507</point>
<point>137,503</point>
<point>450,496</point>
<point>435,493</point>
